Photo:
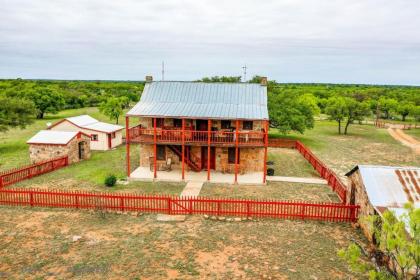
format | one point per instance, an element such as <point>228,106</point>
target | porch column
<point>127,144</point>
<point>154,148</point>
<point>208,148</point>
<point>236,150</point>
<point>265,150</point>
<point>183,149</point>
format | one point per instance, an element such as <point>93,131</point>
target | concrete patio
<point>144,174</point>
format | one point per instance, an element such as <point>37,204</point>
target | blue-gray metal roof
<point>203,100</point>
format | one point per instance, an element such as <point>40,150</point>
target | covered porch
<point>145,174</point>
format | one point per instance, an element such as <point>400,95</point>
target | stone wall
<point>361,199</point>
<point>44,152</point>
<point>251,159</point>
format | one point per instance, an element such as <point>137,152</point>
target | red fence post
<point>31,199</point>
<point>169,206</point>
<point>1,182</point>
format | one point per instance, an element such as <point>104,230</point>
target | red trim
<point>265,151</point>
<point>127,145</point>
<point>183,149</point>
<point>236,150</point>
<point>109,141</point>
<point>154,148</point>
<point>81,127</point>
<point>208,148</point>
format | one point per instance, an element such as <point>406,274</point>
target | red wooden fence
<point>281,143</point>
<point>180,205</point>
<point>323,171</point>
<point>19,174</point>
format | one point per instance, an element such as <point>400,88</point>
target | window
<point>160,153</point>
<point>159,122</point>
<point>94,137</point>
<point>225,124</point>
<point>231,155</point>
<point>247,125</point>
<point>177,123</point>
<point>113,135</point>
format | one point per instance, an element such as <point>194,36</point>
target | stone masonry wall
<point>44,152</point>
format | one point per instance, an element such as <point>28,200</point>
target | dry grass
<point>37,244</point>
<point>273,190</point>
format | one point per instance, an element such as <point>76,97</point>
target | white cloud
<point>365,41</point>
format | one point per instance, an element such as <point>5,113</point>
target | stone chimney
<point>264,81</point>
<point>149,79</point>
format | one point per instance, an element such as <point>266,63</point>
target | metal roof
<point>391,187</point>
<point>87,122</point>
<point>52,137</point>
<point>203,100</point>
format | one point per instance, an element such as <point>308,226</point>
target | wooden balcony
<point>138,134</point>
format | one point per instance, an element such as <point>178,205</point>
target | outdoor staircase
<point>188,160</point>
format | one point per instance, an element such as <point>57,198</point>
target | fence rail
<point>333,180</point>
<point>19,174</point>
<point>180,205</point>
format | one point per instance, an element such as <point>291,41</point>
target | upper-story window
<point>177,123</point>
<point>247,125</point>
<point>159,122</point>
<point>225,124</point>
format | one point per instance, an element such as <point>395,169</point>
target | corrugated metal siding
<point>203,100</point>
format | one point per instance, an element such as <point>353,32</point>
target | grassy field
<point>414,133</point>
<point>13,147</point>
<point>289,162</point>
<point>38,244</point>
<point>273,190</point>
<point>364,144</point>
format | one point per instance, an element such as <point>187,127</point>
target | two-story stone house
<point>213,127</point>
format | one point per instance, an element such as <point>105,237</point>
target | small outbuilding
<point>104,136</point>
<point>379,188</point>
<point>48,144</point>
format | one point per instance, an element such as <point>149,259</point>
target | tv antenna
<point>163,70</point>
<point>244,68</point>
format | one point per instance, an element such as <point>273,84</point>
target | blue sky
<point>358,41</point>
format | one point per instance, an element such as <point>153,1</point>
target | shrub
<point>110,180</point>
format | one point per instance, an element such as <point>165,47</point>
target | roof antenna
<point>163,70</point>
<point>244,68</point>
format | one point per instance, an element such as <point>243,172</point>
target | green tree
<point>222,79</point>
<point>388,106</point>
<point>397,254</point>
<point>15,112</point>
<point>46,101</point>
<point>291,112</point>
<point>356,111</point>
<point>336,108</point>
<point>405,108</point>
<point>112,107</point>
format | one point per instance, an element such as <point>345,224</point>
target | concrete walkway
<point>304,180</point>
<point>191,189</point>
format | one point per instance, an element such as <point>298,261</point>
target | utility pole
<point>163,70</point>
<point>244,68</point>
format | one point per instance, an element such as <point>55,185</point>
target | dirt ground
<point>405,139</point>
<point>42,243</point>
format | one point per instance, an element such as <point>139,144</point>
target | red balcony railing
<point>146,135</point>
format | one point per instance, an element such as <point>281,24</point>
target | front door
<point>81,150</point>
<point>204,157</point>
<point>109,141</point>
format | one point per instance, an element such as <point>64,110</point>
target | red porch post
<point>208,148</point>
<point>183,149</point>
<point>236,150</point>
<point>265,150</point>
<point>127,144</point>
<point>154,148</point>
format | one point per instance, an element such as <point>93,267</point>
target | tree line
<point>292,107</point>
<point>23,100</point>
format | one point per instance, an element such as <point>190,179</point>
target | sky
<point>330,41</point>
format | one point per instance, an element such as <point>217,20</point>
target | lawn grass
<point>273,190</point>
<point>415,133</point>
<point>13,148</point>
<point>38,244</point>
<point>364,144</point>
<point>289,162</point>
